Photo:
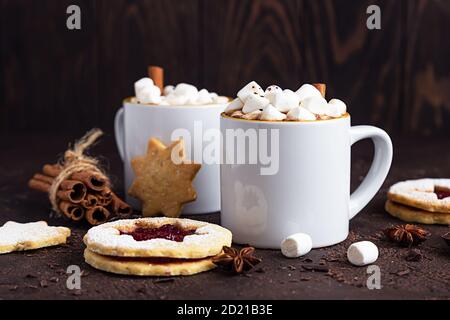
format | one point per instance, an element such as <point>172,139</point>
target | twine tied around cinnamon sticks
<point>78,188</point>
<point>76,161</point>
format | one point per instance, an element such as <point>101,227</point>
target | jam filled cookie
<point>432,195</point>
<point>410,214</point>
<point>29,236</point>
<point>155,246</point>
<point>156,267</point>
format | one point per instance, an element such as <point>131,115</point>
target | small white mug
<point>135,124</point>
<point>310,193</point>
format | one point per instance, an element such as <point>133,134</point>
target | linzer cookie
<point>30,236</point>
<point>155,246</point>
<point>275,104</point>
<point>424,201</point>
<point>428,194</point>
<point>162,185</point>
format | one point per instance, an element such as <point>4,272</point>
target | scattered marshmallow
<point>308,91</point>
<point>300,114</point>
<point>271,91</point>
<point>235,105</point>
<point>362,253</point>
<point>249,90</point>
<point>270,113</point>
<point>316,105</point>
<point>296,245</point>
<point>286,100</point>
<point>254,102</point>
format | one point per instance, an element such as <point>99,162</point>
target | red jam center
<point>167,231</point>
<point>442,194</point>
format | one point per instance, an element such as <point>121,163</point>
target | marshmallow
<point>221,100</point>
<point>249,90</point>
<point>271,91</point>
<point>150,94</point>
<point>362,253</point>
<point>338,106</point>
<point>308,91</point>
<point>189,92</point>
<point>254,102</point>
<point>142,84</point>
<point>204,97</point>
<point>235,105</point>
<point>272,114</point>
<point>300,113</point>
<point>317,105</point>
<point>213,95</point>
<point>296,245</point>
<point>177,100</point>
<point>286,100</point>
<point>168,90</point>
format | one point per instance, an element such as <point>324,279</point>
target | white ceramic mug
<point>311,191</point>
<point>135,124</point>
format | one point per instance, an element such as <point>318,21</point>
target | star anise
<point>407,235</point>
<point>237,261</point>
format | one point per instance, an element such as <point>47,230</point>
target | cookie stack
<point>155,246</point>
<point>424,201</point>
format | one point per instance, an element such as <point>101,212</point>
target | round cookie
<point>141,267</point>
<point>431,195</point>
<point>109,239</point>
<point>409,214</point>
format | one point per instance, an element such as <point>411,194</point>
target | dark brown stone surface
<point>323,274</point>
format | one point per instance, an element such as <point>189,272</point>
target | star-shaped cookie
<point>30,236</point>
<point>163,185</point>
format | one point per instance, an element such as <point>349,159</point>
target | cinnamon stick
<point>90,201</point>
<point>97,215</point>
<point>92,180</point>
<point>321,87</point>
<point>74,195</point>
<point>157,75</point>
<point>120,207</point>
<point>74,212</point>
<point>76,186</point>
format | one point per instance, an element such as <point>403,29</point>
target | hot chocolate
<point>308,103</point>
<point>183,94</point>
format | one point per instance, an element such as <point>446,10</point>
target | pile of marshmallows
<point>359,254</point>
<point>183,94</point>
<point>276,104</point>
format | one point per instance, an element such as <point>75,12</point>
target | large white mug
<point>135,124</point>
<point>310,193</point>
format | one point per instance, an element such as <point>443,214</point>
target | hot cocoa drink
<point>308,103</point>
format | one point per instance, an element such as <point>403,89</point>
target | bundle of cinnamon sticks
<point>83,195</point>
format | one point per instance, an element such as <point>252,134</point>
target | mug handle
<point>378,171</point>
<point>119,132</point>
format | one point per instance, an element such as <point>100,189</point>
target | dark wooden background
<point>56,80</point>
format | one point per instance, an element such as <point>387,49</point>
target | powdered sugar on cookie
<point>18,237</point>
<point>208,239</point>
<point>426,194</point>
